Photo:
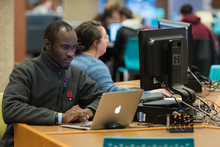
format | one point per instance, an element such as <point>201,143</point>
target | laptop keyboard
<point>86,126</point>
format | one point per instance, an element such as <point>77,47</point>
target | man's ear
<point>47,45</point>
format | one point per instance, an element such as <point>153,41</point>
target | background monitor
<point>113,29</point>
<point>162,51</point>
<point>163,23</point>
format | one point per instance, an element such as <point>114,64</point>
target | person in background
<point>91,44</point>
<point>129,28</point>
<point>44,8</point>
<point>110,15</point>
<point>48,90</point>
<point>199,30</point>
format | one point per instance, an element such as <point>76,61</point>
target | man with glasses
<point>48,90</point>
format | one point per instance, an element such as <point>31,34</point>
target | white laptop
<point>114,107</point>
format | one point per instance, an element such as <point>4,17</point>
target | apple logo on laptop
<point>117,110</point>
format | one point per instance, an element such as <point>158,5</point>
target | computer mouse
<point>114,126</point>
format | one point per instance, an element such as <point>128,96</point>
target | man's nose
<point>70,52</point>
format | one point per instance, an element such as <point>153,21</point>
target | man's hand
<point>161,90</point>
<point>77,114</point>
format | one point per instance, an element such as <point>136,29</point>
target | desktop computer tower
<point>156,114</point>
<point>153,114</point>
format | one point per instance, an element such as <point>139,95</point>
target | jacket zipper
<point>59,74</point>
<point>58,100</point>
<point>64,90</point>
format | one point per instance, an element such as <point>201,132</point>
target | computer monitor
<point>163,61</point>
<point>163,23</point>
<point>113,29</point>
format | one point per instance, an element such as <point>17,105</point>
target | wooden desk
<point>57,136</point>
<point>127,84</point>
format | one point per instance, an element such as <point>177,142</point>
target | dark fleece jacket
<point>39,88</point>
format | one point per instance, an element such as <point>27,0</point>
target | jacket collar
<point>49,61</point>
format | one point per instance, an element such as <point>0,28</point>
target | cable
<point>212,85</point>
<point>196,79</point>
<point>214,119</point>
<point>176,100</point>
<point>211,116</point>
<point>150,123</point>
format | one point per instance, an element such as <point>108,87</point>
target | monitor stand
<point>187,94</point>
<point>176,72</point>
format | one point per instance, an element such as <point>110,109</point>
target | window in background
<point>101,6</point>
<point>141,7</point>
<point>147,10</point>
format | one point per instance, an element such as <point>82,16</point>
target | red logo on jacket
<point>69,94</point>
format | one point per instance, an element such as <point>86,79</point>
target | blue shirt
<point>97,71</point>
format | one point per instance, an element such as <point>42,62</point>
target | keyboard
<point>86,126</point>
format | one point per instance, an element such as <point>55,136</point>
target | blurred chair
<point>151,142</point>
<point>2,123</point>
<point>215,73</point>
<point>35,27</point>
<point>131,59</point>
<point>216,25</point>
<point>206,18</point>
<point>204,55</point>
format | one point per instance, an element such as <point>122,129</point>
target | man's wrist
<point>89,112</point>
<point>55,118</point>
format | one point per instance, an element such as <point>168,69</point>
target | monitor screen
<point>162,57</point>
<point>163,23</point>
<point>113,29</point>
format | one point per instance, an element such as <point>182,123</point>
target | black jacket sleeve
<point>15,107</point>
